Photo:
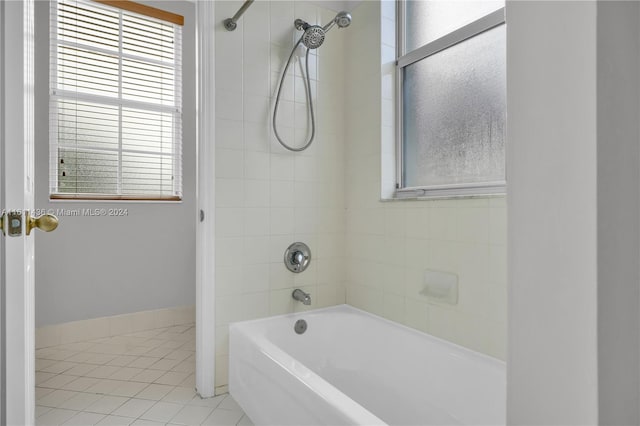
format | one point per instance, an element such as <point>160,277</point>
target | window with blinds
<point>115,101</point>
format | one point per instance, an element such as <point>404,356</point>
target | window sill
<point>448,192</point>
<point>113,198</point>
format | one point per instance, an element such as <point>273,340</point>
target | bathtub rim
<point>347,307</point>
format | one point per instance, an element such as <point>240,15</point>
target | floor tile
<point>80,357</point>
<point>116,421</point>
<point>207,402</point>
<point>143,362</point>
<point>55,354</point>
<point>106,404</point>
<point>56,398</point>
<point>104,386</point>
<point>142,422</point>
<point>110,381</point>
<point>77,346</point>
<point>191,415</point>
<point>80,384</point>
<point>159,352</point>
<point>180,395</point>
<point>43,363</point>
<point>172,378</point>
<point>103,372</point>
<point>126,373</point>
<point>81,369</point>
<point>137,350</point>
<point>58,381</point>
<point>122,360</point>
<point>147,376</point>
<point>80,401</point>
<point>179,355</point>
<point>42,377</point>
<point>185,367</point>
<point>189,382</point>
<point>164,364</point>
<point>134,408</point>
<point>162,411</point>
<point>84,419</point>
<point>59,367</point>
<point>229,404</point>
<point>221,417</point>
<point>128,389</point>
<point>155,392</point>
<point>100,359</point>
<point>171,344</point>
<point>40,410</point>
<point>57,416</point>
<point>40,392</point>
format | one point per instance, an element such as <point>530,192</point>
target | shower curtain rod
<point>230,23</point>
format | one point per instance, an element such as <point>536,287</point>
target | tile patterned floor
<point>144,378</point>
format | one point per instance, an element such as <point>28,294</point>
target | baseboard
<point>221,390</point>
<point>97,328</point>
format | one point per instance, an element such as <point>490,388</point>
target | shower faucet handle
<point>297,257</point>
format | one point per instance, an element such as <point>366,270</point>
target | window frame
<point>176,110</point>
<point>485,23</point>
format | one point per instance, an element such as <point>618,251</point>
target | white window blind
<point>115,102</point>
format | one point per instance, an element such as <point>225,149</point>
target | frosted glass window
<point>454,114</point>
<point>115,105</point>
<point>428,20</point>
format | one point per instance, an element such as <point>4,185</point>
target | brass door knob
<point>46,223</point>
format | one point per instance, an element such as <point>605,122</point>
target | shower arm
<point>231,23</point>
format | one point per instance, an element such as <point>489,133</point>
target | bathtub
<point>354,368</point>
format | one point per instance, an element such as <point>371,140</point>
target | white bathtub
<point>354,368</point>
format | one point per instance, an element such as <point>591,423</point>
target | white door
<point>16,167</point>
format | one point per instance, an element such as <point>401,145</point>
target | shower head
<point>343,19</point>
<point>314,35</point>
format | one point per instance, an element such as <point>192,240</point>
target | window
<point>451,98</point>
<point>115,101</point>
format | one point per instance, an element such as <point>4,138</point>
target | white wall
<point>573,209</point>
<point>268,197</point>
<point>391,244</point>
<point>100,266</point>
<point>618,80</point>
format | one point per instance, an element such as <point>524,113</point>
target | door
<point>16,167</point>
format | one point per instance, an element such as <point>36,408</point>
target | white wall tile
<point>256,193</point>
<point>229,222</point>
<point>228,105</point>
<point>282,222</point>
<point>256,137</point>
<point>230,192</point>
<point>282,194</point>
<point>229,163</point>
<point>229,134</point>
<point>256,165</point>
<point>256,222</point>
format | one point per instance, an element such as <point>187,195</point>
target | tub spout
<point>301,296</point>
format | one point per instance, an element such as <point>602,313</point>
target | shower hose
<point>309,98</point>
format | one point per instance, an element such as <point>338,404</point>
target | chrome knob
<point>297,257</point>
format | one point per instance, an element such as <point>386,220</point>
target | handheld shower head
<point>343,19</point>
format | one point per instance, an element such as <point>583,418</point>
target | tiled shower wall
<point>391,244</point>
<point>267,197</point>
